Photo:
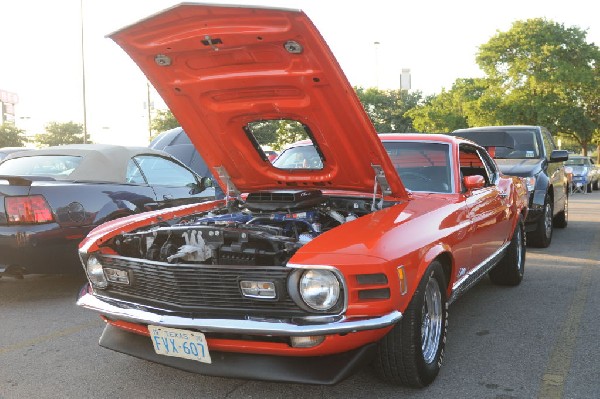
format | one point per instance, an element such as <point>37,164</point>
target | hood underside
<point>220,69</point>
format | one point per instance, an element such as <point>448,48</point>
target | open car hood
<point>219,68</point>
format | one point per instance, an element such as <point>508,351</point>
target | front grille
<point>201,288</point>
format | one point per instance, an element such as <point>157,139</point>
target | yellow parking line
<point>48,337</point>
<point>559,363</point>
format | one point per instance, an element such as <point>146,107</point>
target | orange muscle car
<point>347,250</point>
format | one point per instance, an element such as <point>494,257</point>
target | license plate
<point>180,343</point>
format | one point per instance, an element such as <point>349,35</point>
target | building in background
<point>7,106</point>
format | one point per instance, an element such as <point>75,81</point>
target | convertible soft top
<point>99,162</point>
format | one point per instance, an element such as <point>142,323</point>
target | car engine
<point>264,230</point>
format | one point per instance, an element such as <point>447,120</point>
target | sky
<point>41,57</point>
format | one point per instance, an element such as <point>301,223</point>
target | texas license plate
<point>180,343</point>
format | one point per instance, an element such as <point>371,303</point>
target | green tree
<point>266,132</point>
<point>287,132</point>
<point>11,136</point>
<point>545,73</point>
<point>387,109</point>
<point>162,121</point>
<point>58,133</point>
<point>470,102</point>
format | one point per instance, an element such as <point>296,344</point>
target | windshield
<point>525,146</point>
<point>299,157</point>
<point>422,166</point>
<point>57,166</point>
<point>577,162</point>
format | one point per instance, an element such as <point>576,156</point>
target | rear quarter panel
<point>89,204</point>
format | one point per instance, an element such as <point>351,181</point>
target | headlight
<point>95,272</point>
<point>320,289</point>
<point>530,183</point>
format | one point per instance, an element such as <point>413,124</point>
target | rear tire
<point>589,188</point>
<point>541,237</point>
<point>561,220</point>
<point>510,269</point>
<point>411,353</point>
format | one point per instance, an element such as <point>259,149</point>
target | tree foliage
<point>470,102</point>
<point>11,136</point>
<point>287,132</point>
<point>387,108</point>
<point>537,73</point>
<point>58,133</point>
<point>163,120</point>
<point>547,74</point>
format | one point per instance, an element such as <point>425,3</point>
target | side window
<point>134,174</point>
<point>472,163</point>
<point>489,165</point>
<point>161,171</point>
<point>548,142</point>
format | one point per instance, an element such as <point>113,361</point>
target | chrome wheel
<point>431,326</point>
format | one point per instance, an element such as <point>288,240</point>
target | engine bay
<point>264,230</point>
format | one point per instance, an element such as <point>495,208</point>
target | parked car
<point>530,152</point>
<point>596,173</point>
<point>51,198</point>
<point>4,151</point>
<point>177,143</point>
<point>303,274</point>
<point>585,174</point>
<point>270,153</point>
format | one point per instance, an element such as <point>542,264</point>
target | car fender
<point>443,252</point>
<point>542,187</point>
<point>114,210</point>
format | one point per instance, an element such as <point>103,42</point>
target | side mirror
<point>559,156</point>
<point>206,182</point>
<point>473,182</point>
<point>200,185</point>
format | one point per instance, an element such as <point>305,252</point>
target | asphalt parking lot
<point>537,340</point>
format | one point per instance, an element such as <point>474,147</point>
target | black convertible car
<point>51,198</point>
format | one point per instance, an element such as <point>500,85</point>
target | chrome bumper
<point>121,310</point>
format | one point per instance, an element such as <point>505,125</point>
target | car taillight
<point>27,210</point>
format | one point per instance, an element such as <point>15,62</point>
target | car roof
<point>100,162</point>
<point>493,128</point>
<point>439,137</point>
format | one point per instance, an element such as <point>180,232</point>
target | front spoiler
<point>121,310</point>
<point>327,370</point>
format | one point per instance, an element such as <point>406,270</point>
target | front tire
<point>411,353</point>
<point>561,220</point>
<point>510,269</point>
<point>541,237</point>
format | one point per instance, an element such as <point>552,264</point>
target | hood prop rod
<point>382,183</point>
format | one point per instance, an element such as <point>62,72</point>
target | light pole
<point>376,44</point>
<point>149,105</point>
<point>83,76</point>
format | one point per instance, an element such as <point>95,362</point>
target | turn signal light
<point>306,342</point>
<point>27,210</point>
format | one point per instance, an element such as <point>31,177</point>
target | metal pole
<point>83,76</point>
<point>376,44</point>
<point>149,111</point>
